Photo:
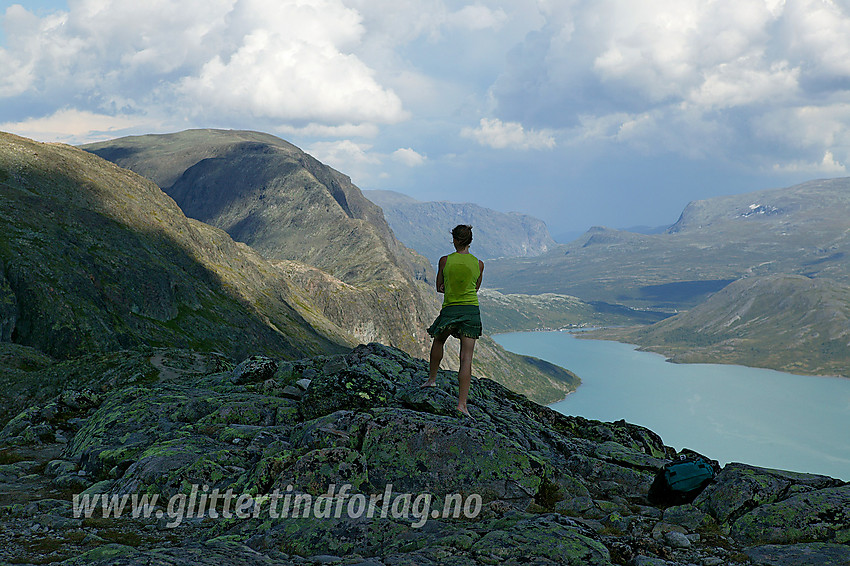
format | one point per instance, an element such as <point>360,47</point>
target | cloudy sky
<point>580,112</point>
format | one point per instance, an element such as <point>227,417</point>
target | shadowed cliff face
<point>289,207</point>
<point>95,258</point>
<point>553,489</point>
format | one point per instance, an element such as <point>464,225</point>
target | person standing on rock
<point>458,278</point>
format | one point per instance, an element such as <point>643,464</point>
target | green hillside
<point>287,206</point>
<point>549,311</point>
<point>94,258</point>
<point>787,322</point>
<point>331,245</point>
<point>758,279</point>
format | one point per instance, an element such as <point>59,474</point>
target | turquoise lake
<point>729,413</point>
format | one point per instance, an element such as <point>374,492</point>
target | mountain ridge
<point>797,230</point>
<point>799,233</point>
<point>287,206</point>
<point>426,226</point>
<point>291,208</point>
<point>97,258</point>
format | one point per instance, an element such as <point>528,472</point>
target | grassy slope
<point>96,258</point>
<point>289,207</point>
<point>518,312</point>
<point>785,322</point>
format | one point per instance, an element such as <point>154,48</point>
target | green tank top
<point>460,275</point>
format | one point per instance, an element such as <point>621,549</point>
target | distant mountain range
<point>787,246</point>
<point>426,227</point>
<point>800,230</point>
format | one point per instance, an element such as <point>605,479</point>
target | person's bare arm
<point>441,287</point>
<point>480,274</point>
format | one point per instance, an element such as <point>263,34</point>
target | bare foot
<point>464,412</point>
<point>429,383</point>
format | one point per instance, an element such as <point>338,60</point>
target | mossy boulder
<point>549,539</point>
<point>421,453</point>
<point>740,488</point>
<point>359,387</point>
<point>822,515</point>
<point>253,369</point>
<point>804,554</point>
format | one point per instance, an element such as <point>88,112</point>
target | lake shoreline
<point>728,412</point>
<point>668,354</point>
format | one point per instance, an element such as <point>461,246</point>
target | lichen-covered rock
<point>253,369</point>
<point>822,515</point>
<point>688,517</point>
<point>171,466</point>
<point>359,387</point>
<point>131,420</point>
<point>739,488</point>
<point>341,428</point>
<point>173,422</point>
<point>805,554</point>
<point>549,538</point>
<point>416,453</point>
<point>318,469</point>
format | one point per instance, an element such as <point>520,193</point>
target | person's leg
<point>436,358</point>
<point>464,374</point>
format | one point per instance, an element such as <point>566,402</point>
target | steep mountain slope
<point>426,227</point>
<point>787,322</point>
<point>287,206</point>
<point>94,258</point>
<point>802,230</point>
<point>332,245</point>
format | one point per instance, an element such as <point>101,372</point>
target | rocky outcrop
<point>546,488</point>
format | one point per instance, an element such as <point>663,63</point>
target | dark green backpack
<point>680,481</point>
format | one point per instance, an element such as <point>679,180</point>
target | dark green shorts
<point>459,320</point>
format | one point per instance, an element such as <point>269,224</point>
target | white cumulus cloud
<point>827,166</point>
<point>291,63</point>
<point>409,157</point>
<point>692,77</point>
<point>502,135</point>
<point>282,62</point>
<point>477,17</point>
<point>76,127</point>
